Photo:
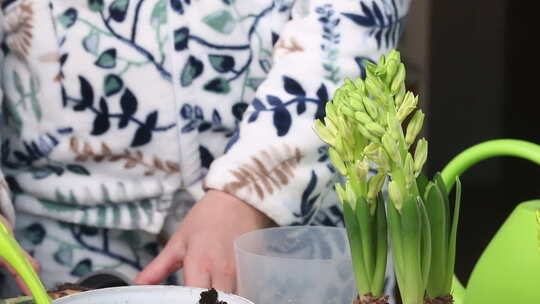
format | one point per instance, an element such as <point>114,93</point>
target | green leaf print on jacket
<point>221,21</point>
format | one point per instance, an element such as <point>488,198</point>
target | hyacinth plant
<point>363,126</point>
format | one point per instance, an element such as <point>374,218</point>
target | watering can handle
<point>485,150</point>
<point>13,254</point>
<point>475,154</point>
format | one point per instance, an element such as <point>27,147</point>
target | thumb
<point>169,260</point>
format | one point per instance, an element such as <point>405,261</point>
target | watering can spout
<point>462,162</point>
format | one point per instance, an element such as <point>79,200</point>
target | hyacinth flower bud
<point>371,107</point>
<point>324,133</point>
<point>399,97</point>
<point>408,169</point>
<point>356,103</point>
<point>414,127</point>
<point>341,193</point>
<point>362,169</point>
<point>348,85</point>
<point>375,129</point>
<point>363,118</point>
<point>392,67</point>
<point>398,80</point>
<point>360,86</point>
<point>409,104</point>
<point>330,109</point>
<point>374,86</point>
<point>384,160</point>
<point>367,134</point>
<point>394,126</point>
<point>372,149</point>
<point>394,55</point>
<point>351,195</point>
<point>337,161</point>
<point>375,185</point>
<point>391,147</point>
<point>395,195</point>
<point>331,125</point>
<point>346,110</point>
<point>420,155</point>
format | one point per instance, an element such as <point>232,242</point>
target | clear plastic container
<point>295,265</point>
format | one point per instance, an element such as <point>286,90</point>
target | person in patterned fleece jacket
<point>119,115</point>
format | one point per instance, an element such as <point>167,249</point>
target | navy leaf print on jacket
<point>293,87</point>
<point>144,132</point>
<point>118,10</point>
<point>386,26</point>
<point>181,38</point>
<point>87,95</point>
<point>128,104</point>
<point>193,69</point>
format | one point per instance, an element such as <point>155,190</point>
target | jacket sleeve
<point>275,161</point>
<point>6,206</point>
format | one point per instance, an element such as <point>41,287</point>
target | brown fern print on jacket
<point>18,25</point>
<point>263,175</point>
<point>84,152</point>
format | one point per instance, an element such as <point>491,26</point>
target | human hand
<point>11,270</point>
<point>203,244</point>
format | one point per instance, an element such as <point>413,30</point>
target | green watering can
<point>509,269</point>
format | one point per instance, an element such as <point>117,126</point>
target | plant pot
<point>146,295</point>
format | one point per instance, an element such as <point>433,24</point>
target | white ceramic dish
<point>146,295</point>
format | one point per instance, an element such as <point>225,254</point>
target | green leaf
<point>95,5</point>
<point>382,248</point>
<point>64,255</point>
<point>221,21</point>
<point>355,242</point>
<point>366,225</point>
<point>453,236</point>
<point>218,85</point>
<point>77,169</point>
<point>413,287</point>
<point>107,59</point>
<point>422,182</point>
<point>159,13</point>
<point>438,220</point>
<point>426,254</point>
<point>112,84</point>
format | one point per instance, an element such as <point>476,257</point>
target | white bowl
<point>150,294</point>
